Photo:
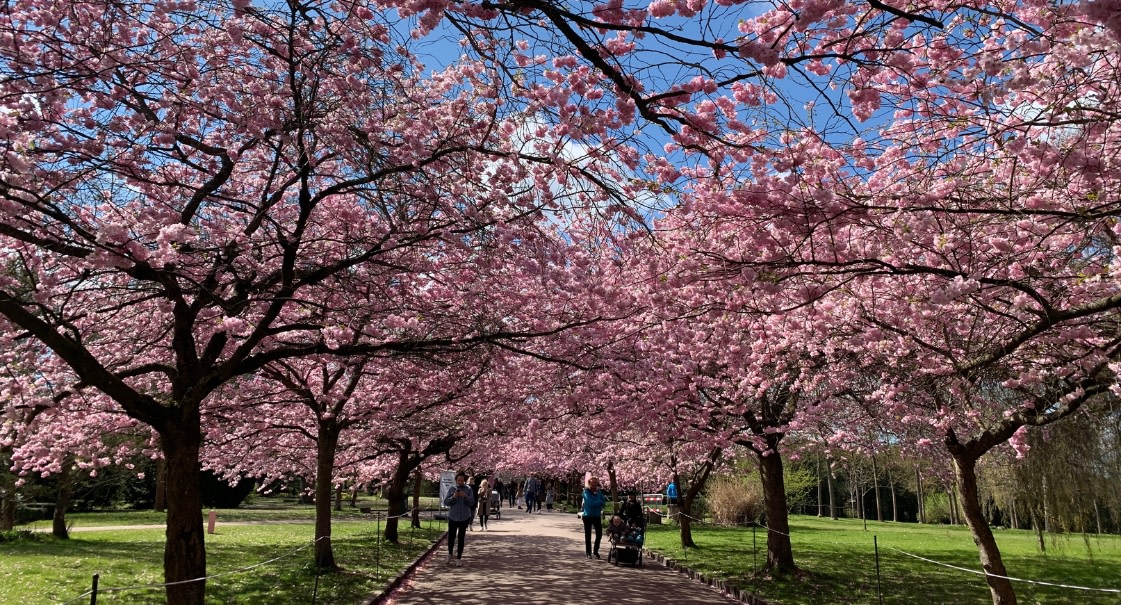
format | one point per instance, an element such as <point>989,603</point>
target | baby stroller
<point>626,544</point>
<point>495,504</point>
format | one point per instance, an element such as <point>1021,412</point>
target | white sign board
<point>447,485</point>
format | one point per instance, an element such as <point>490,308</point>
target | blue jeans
<point>457,530</point>
<point>529,501</point>
<point>589,523</point>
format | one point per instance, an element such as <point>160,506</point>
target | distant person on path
<point>550,497</point>
<point>633,513</point>
<point>483,501</point>
<point>671,492</point>
<point>530,490</point>
<point>460,502</point>
<point>540,495</point>
<point>591,509</point>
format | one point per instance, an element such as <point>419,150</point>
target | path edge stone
<point>714,583</point>
<point>406,573</point>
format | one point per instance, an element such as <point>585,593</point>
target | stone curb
<point>405,574</point>
<point>715,583</point>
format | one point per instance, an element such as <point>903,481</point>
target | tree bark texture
<point>965,469</point>
<point>780,555</point>
<point>395,494</point>
<point>894,502</point>
<point>160,504</point>
<point>829,488</point>
<point>876,490</point>
<point>820,495</point>
<point>417,477</point>
<point>614,487</point>
<point>324,488</point>
<point>62,502</point>
<point>921,495</point>
<point>185,549</point>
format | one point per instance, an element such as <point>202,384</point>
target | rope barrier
<point>79,597</point>
<point>208,577</point>
<point>1010,578</point>
<point>407,513</point>
<point>921,558</point>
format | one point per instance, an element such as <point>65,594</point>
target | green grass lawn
<point>51,571</point>
<point>839,560</point>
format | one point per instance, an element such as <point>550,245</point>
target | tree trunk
<point>951,503</point>
<point>685,521</point>
<point>614,487</point>
<point>1046,506</point>
<point>339,497</point>
<point>62,501</point>
<point>922,496</point>
<point>7,493</point>
<point>780,556</point>
<point>876,490</point>
<point>1098,516</point>
<point>894,503</point>
<point>829,488</point>
<point>184,558</point>
<point>860,503</point>
<point>160,504</point>
<point>395,496</point>
<point>965,469</point>
<point>863,513</point>
<point>417,477</point>
<point>7,510</point>
<point>324,487</point>
<point>820,496</point>
<point>1038,527</point>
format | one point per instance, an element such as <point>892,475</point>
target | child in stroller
<point>626,542</point>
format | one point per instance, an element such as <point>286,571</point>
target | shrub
<point>16,535</point>
<point>735,500</point>
<point>937,508</point>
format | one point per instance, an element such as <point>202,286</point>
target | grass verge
<point>838,558</point>
<point>51,571</point>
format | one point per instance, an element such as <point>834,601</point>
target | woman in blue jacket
<point>592,513</point>
<point>460,502</point>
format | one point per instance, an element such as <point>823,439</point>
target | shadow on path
<point>539,558</point>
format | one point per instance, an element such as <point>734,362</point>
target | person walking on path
<point>530,490</point>
<point>460,502</point>
<point>591,511</point>
<point>550,497</point>
<point>483,500</point>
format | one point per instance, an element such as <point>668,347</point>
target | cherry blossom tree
<point>319,418</point>
<point>191,187</point>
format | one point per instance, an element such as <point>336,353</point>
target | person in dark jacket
<point>592,513</point>
<point>461,505</point>
<point>633,513</point>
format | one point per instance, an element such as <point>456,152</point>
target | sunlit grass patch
<point>55,571</point>
<point>839,561</point>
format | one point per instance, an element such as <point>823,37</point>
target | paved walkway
<point>539,558</point>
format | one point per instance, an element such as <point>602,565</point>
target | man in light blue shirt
<point>461,505</point>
